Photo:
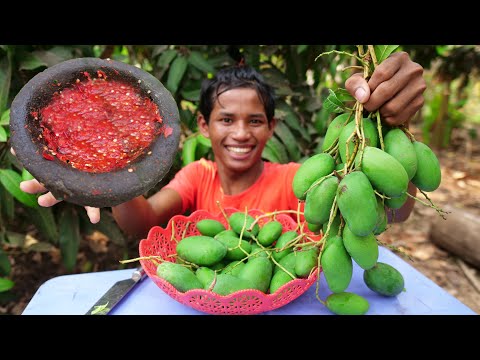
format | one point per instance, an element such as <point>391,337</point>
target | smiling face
<point>238,129</point>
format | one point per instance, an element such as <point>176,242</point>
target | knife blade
<point>116,293</point>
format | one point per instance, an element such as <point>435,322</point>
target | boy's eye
<point>226,120</point>
<point>257,121</point>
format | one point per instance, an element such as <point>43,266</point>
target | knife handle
<point>138,274</point>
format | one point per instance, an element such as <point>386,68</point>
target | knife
<point>116,293</point>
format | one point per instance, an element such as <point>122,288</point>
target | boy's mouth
<point>239,149</point>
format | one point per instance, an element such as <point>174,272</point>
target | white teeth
<point>238,149</point>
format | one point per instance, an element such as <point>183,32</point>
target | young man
<point>237,115</point>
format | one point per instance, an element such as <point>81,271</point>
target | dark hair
<point>238,76</point>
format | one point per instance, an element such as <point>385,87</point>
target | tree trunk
<point>459,234</point>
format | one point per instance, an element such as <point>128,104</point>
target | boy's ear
<point>202,125</point>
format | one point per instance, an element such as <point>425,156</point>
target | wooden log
<point>459,234</point>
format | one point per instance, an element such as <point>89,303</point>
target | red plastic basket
<point>161,242</point>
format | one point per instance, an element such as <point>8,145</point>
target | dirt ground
<point>460,187</point>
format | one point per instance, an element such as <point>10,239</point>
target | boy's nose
<point>241,131</point>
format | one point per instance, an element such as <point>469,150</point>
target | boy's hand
<point>46,200</point>
<point>395,88</point>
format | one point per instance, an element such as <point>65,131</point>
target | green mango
<point>257,251</point>
<point>314,228</point>
<point>279,279</point>
<point>396,202</point>
<point>334,226</point>
<point>312,169</point>
<point>233,268</point>
<point>336,265</point>
<point>220,265</point>
<point>320,200</point>
<point>258,271</point>
<point>210,227</point>
<point>236,249</point>
<point>371,138</point>
<point>288,262</point>
<point>335,128</point>
<point>385,173</point>
<point>270,232</point>
<point>347,303</point>
<point>384,279</point>
<point>382,218</point>
<point>241,221</point>
<point>284,239</point>
<point>201,250</point>
<point>398,144</point>
<point>227,284</point>
<point>340,168</point>
<point>306,260</point>
<point>362,249</point>
<point>181,277</point>
<point>428,175</point>
<point>357,203</point>
<point>205,275</point>
<point>229,232</point>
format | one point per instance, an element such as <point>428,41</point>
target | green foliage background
<point>301,81</point>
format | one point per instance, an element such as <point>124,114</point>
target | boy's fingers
<point>357,86</point>
<point>93,214</point>
<point>47,200</point>
<point>32,186</point>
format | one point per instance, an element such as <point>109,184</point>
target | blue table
<point>75,294</point>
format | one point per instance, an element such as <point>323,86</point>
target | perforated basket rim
<point>226,303</point>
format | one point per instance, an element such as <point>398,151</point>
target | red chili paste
<point>99,125</point>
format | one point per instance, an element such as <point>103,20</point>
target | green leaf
<point>15,239</point>
<point>278,80</point>
<point>301,48</point>
<point>32,62</point>
<point>166,58</point>
<point>158,49</point>
<point>384,51</point>
<point>53,56</point>
<point>6,284</point>
<point>175,75</point>
<point>44,220</point>
<point>197,60</point>
<point>192,95</point>
<point>26,175</point>
<point>279,149</point>
<point>288,140</point>
<point>188,150</point>
<point>5,266</point>
<point>69,236</point>
<point>5,118</point>
<point>5,78</point>
<point>332,103</point>
<point>343,95</point>
<point>188,118</point>
<point>7,204</point>
<point>109,227</point>
<point>269,154</point>
<point>11,181</point>
<point>292,120</point>
<point>41,246</point>
<point>204,141</point>
<point>3,134</point>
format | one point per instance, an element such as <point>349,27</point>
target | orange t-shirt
<point>199,186</point>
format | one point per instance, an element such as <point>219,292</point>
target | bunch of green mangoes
<point>241,257</point>
<point>364,170</point>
